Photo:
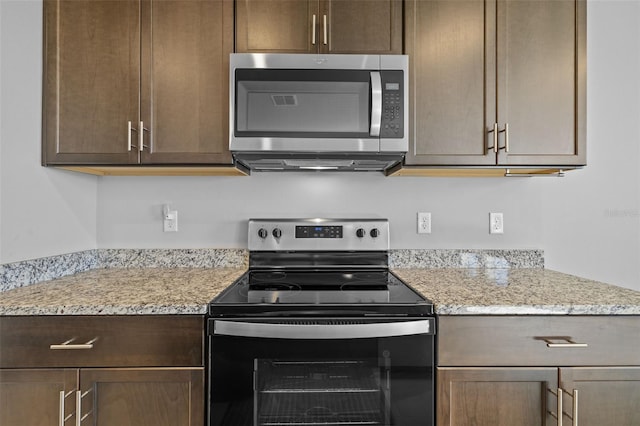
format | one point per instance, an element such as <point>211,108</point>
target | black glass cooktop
<point>374,291</point>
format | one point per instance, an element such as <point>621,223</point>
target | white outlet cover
<point>496,223</point>
<point>424,223</point>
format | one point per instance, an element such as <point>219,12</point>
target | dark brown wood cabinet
<point>498,83</point>
<point>319,26</point>
<point>136,82</point>
<point>495,371</point>
<point>128,371</point>
<point>496,396</point>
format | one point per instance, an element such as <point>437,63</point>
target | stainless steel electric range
<point>319,331</point>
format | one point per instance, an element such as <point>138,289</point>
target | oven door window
<point>365,381</point>
<point>340,392</point>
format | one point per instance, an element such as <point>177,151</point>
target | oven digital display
<point>319,231</point>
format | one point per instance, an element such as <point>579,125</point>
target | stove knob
<point>262,233</point>
<point>374,232</point>
<point>360,233</point>
<point>277,233</point>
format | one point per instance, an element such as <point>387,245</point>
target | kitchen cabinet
<point>104,370</point>
<point>319,26</point>
<point>136,82</point>
<point>496,83</point>
<point>515,370</point>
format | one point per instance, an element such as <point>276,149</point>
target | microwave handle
<point>324,331</point>
<point>376,103</point>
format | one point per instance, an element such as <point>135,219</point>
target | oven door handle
<point>322,331</point>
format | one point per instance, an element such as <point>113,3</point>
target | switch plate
<point>424,223</point>
<point>496,223</point>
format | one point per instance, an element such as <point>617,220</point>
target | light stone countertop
<point>518,292</point>
<point>120,291</point>
<point>144,291</point>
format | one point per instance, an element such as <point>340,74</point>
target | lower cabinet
<point>149,382</point>
<point>124,397</point>
<point>495,396</point>
<point>528,371</point>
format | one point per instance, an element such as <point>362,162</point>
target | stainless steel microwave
<point>320,112</point>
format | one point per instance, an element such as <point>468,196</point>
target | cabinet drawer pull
<point>552,342</point>
<point>69,345</point>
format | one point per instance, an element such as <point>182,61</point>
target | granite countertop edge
<point>155,291</point>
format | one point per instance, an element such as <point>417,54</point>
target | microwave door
<point>302,110</point>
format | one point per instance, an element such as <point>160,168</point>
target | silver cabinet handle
<point>324,26</point>
<point>558,414</point>
<point>69,345</point>
<point>321,331</point>
<point>61,418</point>
<point>129,130</point>
<point>79,417</point>
<point>313,31</point>
<point>568,343</point>
<point>141,130</point>
<point>376,103</point>
<point>495,137</point>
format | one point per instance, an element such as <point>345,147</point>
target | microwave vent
<point>284,100</point>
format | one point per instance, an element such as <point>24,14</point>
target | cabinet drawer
<point>520,341</point>
<point>101,341</point>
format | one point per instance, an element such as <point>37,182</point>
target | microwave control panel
<point>392,123</point>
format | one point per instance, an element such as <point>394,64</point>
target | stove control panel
<point>318,234</point>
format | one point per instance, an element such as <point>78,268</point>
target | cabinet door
<point>452,81</point>
<point>366,26</point>
<point>37,397</point>
<point>606,396</point>
<point>185,80</point>
<point>268,26</point>
<point>91,81</point>
<point>541,81</point>
<point>496,396</point>
<point>143,397</point>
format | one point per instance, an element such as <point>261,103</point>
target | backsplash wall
<point>587,223</point>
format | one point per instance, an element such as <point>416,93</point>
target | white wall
<point>43,212</point>
<point>588,223</point>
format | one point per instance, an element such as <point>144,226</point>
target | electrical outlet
<point>424,223</point>
<point>170,219</point>
<point>496,223</point>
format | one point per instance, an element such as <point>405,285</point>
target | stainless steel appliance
<point>319,331</point>
<point>320,112</point>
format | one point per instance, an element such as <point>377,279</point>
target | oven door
<point>339,371</point>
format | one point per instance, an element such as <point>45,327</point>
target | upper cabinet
<point>136,82</point>
<point>319,26</point>
<point>497,82</point>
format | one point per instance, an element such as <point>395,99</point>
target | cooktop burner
<point>351,289</point>
<point>319,267</point>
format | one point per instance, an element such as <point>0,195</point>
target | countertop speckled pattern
<point>518,292</point>
<point>135,291</point>
<point>113,291</point>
